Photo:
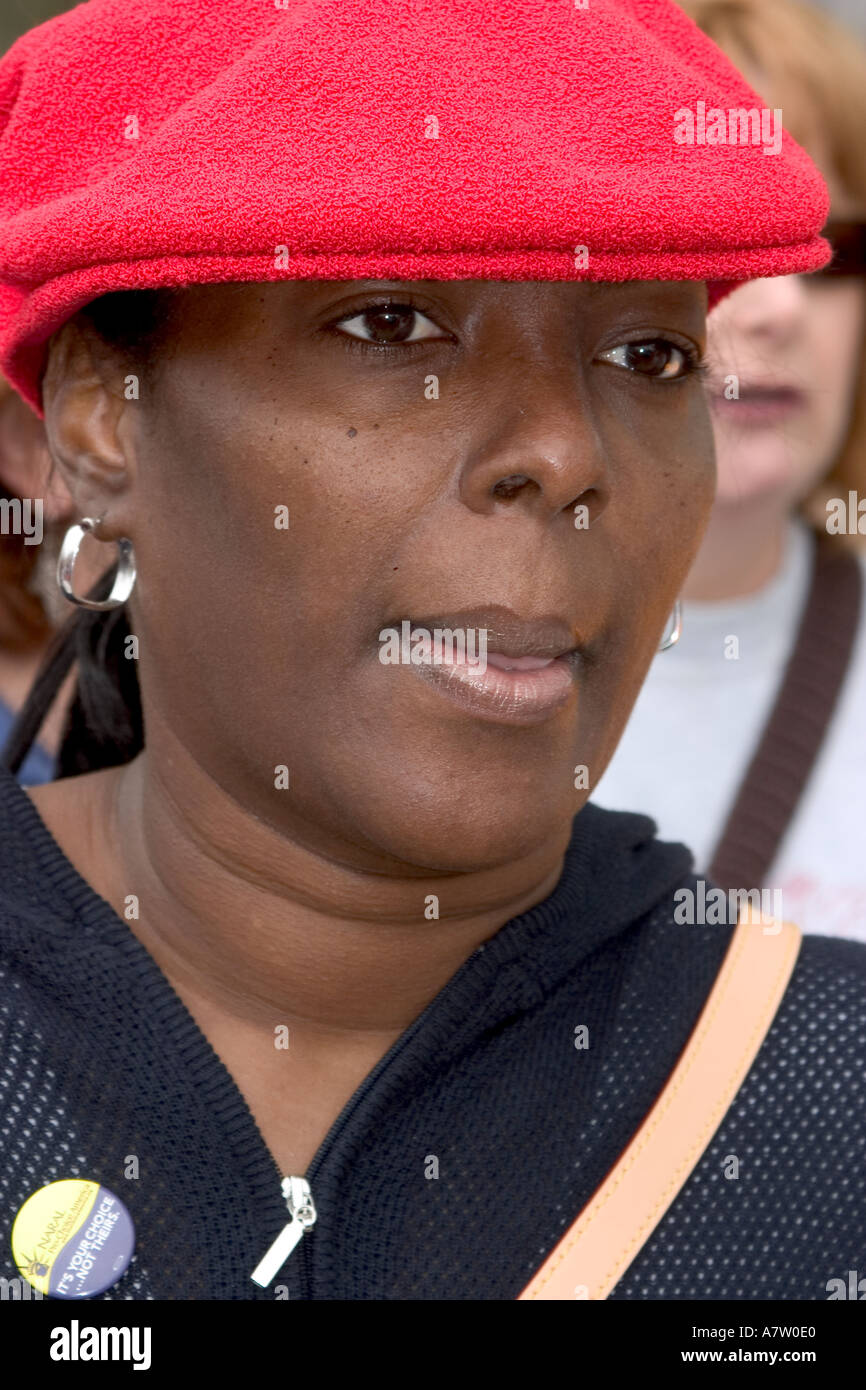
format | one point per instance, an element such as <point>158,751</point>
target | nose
<point>539,448</point>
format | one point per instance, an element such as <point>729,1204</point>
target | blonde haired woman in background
<point>748,740</point>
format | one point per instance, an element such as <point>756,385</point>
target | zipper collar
<point>614,873</point>
<point>594,900</point>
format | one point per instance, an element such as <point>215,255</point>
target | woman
<point>788,395</point>
<point>337,921</point>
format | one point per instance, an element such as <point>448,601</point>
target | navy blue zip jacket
<point>468,1150</point>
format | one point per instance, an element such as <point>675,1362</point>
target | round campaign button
<point>73,1238</point>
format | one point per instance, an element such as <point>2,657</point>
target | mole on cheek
<point>351,433</point>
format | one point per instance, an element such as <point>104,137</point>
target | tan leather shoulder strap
<point>606,1237</point>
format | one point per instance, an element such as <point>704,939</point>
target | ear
<point>88,429</point>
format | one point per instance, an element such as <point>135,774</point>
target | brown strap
<point>792,738</point>
<point>606,1237</point>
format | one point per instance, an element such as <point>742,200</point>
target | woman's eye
<point>656,358</point>
<point>389,323</point>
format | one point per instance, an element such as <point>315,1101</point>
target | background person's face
<point>260,646</point>
<point>794,345</point>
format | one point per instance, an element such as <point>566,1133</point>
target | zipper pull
<point>299,1201</point>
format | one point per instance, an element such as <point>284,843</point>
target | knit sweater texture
<point>100,1061</point>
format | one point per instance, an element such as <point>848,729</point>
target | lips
<point>517,663</point>
<point>530,670</point>
<point>508,635</point>
<point>759,402</point>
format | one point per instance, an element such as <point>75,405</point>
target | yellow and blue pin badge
<point>73,1239</point>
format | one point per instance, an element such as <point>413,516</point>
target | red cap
<point>172,142</point>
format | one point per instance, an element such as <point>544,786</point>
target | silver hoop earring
<point>123,581</point>
<point>674,636</point>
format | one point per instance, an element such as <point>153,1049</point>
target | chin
<point>471,831</point>
<point>755,479</point>
<point>476,850</point>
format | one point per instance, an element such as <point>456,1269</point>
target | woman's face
<point>792,346</point>
<point>430,458</point>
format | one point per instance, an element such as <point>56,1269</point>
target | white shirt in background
<point>698,721</point>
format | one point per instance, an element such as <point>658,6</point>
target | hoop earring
<point>123,580</point>
<point>676,629</point>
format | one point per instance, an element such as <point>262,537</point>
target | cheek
<point>649,535</point>
<point>663,490</point>
<point>264,577</point>
<point>280,513</point>
<point>838,331</point>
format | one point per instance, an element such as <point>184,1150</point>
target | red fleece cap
<point>170,142</point>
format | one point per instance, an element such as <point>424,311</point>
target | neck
<point>741,552</point>
<point>266,930</point>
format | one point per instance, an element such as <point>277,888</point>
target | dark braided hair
<point>104,726</point>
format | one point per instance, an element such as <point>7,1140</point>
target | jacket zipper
<point>296,1190</point>
<point>302,1210</point>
